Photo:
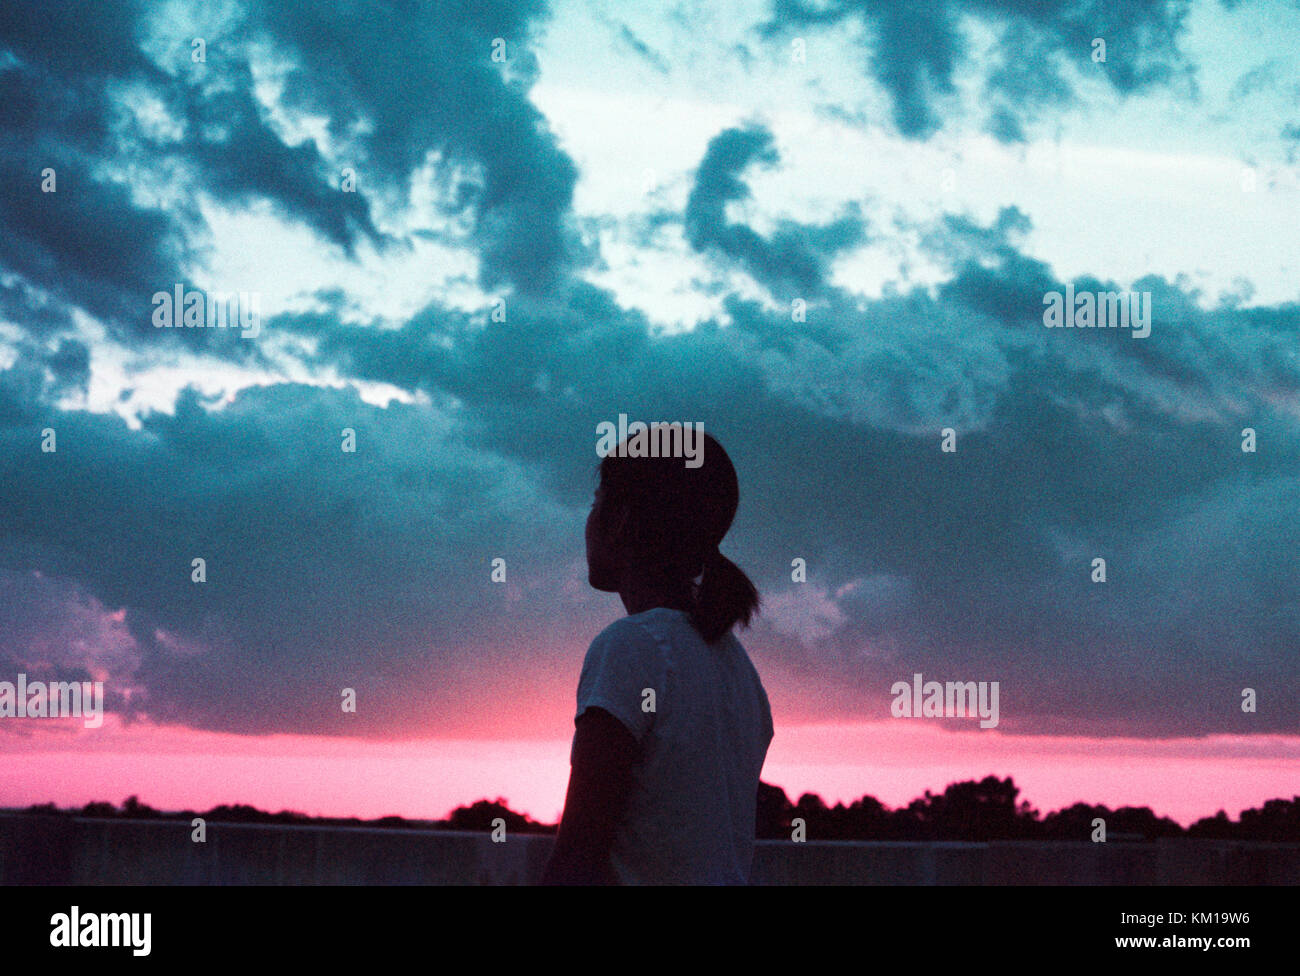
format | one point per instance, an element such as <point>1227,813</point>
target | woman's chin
<point>602,581</point>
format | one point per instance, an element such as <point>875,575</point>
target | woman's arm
<point>600,780</point>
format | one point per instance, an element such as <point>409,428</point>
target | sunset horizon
<point>175,769</point>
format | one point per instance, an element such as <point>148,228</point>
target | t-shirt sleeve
<point>622,664</point>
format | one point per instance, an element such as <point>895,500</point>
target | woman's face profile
<point>601,550</point>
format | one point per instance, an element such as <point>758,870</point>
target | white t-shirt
<point>703,737</point>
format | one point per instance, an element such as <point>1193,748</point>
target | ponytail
<point>724,597</point>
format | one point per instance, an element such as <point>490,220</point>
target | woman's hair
<point>676,516</point>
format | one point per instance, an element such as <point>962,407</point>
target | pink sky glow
<point>172,768</point>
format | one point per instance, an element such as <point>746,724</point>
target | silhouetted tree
<point>1142,821</point>
<point>479,816</point>
<point>986,810</point>
<point>1075,822</point>
<point>1278,820</point>
<point>870,819</point>
<point>1218,827</point>
<point>132,807</point>
<point>974,811</point>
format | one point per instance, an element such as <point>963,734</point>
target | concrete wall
<point>79,850</point>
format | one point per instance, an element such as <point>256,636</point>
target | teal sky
<point>646,194</point>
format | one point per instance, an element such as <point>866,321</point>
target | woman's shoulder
<point>661,630</point>
<point>626,632</point>
<point>654,632</point>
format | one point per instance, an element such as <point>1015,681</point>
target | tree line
<point>984,810</point>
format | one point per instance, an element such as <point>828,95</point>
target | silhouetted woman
<point>672,724</point>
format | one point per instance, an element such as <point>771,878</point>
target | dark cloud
<point>423,78</point>
<point>241,160</point>
<point>69,366</point>
<point>325,569</point>
<point>917,49</point>
<point>642,49</point>
<point>329,570</point>
<point>793,261</point>
<point>79,95</point>
<point>86,244</point>
<point>1072,445</point>
<point>370,570</point>
<point>92,242</point>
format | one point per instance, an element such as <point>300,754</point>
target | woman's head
<point>657,517</point>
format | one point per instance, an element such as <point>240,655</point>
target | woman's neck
<point>642,591</point>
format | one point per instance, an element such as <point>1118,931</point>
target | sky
<point>467,234</point>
